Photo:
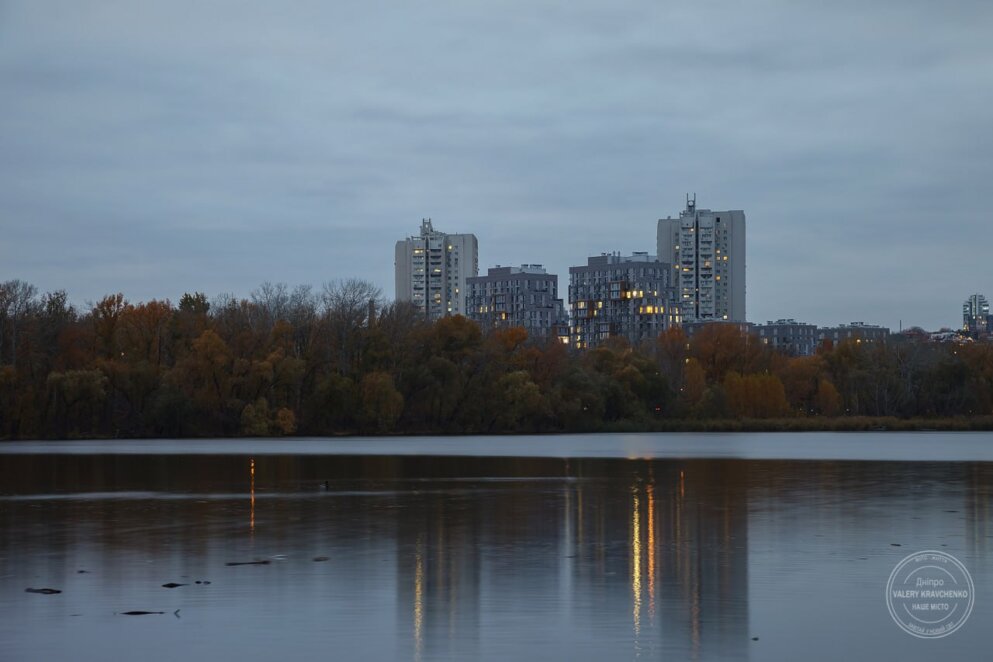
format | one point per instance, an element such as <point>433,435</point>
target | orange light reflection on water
<point>636,562</point>
<point>651,551</point>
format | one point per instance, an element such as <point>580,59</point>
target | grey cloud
<point>157,147</point>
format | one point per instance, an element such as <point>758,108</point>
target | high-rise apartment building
<point>525,296</point>
<point>976,314</point>
<point>613,295</point>
<point>706,251</point>
<point>432,269</point>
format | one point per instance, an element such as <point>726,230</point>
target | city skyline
<point>155,150</point>
<point>393,331</point>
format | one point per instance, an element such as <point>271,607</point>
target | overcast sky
<point>157,148</point>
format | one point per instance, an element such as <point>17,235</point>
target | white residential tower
<point>707,251</point>
<point>432,268</point>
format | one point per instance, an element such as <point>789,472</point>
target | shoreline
<point>744,425</point>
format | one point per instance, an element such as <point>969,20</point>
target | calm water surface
<point>571,547</point>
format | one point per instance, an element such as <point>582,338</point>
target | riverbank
<point>835,424</point>
<point>772,425</point>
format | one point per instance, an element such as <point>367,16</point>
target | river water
<point>592,547</point>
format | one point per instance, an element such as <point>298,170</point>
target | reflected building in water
<point>978,512</point>
<point>644,549</point>
<point>438,578</point>
<point>474,558</point>
<point>685,565</point>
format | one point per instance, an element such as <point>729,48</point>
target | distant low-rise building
<point>856,331</point>
<point>630,296</point>
<point>788,336</point>
<point>525,296</point>
<point>693,328</point>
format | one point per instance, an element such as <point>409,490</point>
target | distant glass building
<point>432,269</point>
<point>630,296</point>
<point>976,314</point>
<point>706,251</point>
<point>525,296</point>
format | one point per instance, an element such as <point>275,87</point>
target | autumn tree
<point>382,404</point>
<point>519,404</point>
<point>345,307</point>
<point>104,317</point>
<point>694,384</point>
<point>17,299</point>
<point>671,350</point>
<point>827,400</point>
<point>755,395</point>
<point>801,377</point>
<point>341,361</point>
<point>78,397</point>
<point>204,376</point>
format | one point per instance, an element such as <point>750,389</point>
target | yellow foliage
<point>828,399</point>
<point>755,396</point>
<point>286,421</point>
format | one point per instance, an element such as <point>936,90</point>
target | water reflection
<point>636,564</point>
<point>667,549</point>
<point>438,566</point>
<point>419,599</point>
<point>459,558</point>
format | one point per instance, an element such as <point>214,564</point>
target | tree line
<point>340,360</point>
